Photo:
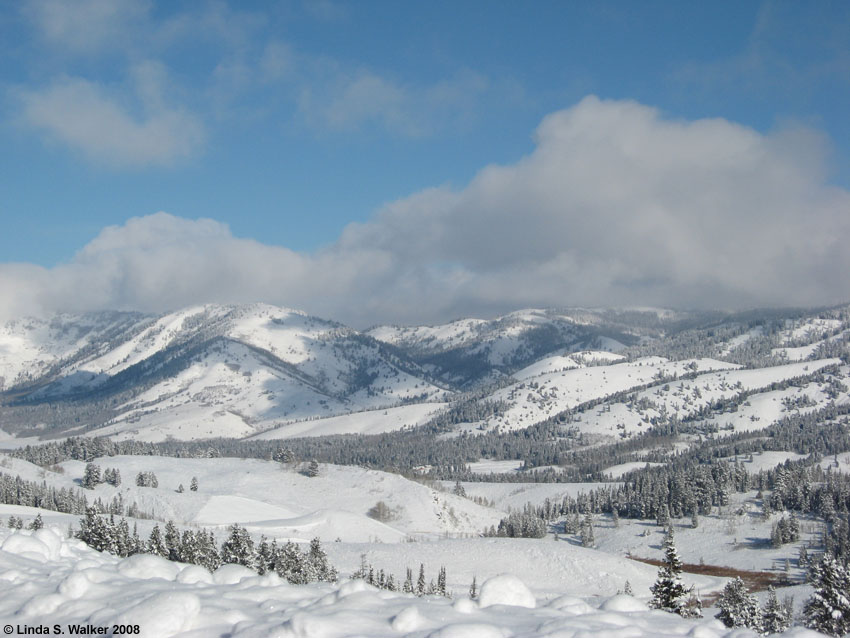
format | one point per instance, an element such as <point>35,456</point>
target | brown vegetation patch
<point>755,581</point>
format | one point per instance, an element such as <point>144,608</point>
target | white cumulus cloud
<point>616,205</point>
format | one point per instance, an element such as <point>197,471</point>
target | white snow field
<point>47,579</point>
<point>281,502</point>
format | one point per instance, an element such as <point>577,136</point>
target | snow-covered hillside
<point>208,370</point>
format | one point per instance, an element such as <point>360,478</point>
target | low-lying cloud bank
<point>615,206</point>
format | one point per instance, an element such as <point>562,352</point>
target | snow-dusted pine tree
<point>774,617</point>
<point>91,476</point>
<point>318,560</point>
<point>828,608</point>
<point>407,587</point>
<point>172,541</point>
<point>587,538</point>
<point>36,523</point>
<point>239,548</point>
<point>669,592</point>
<point>420,582</point>
<point>738,608</point>
<point>156,544</point>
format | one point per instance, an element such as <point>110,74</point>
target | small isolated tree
<point>36,523</point>
<point>774,616</point>
<point>458,489</point>
<point>587,537</point>
<point>738,608</point>
<point>828,608</point>
<point>313,469</point>
<point>473,588</point>
<point>180,489</point>
<point>380,511</point>
<point>669,592</point>
<point>194,484</point>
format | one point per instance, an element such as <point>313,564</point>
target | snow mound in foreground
<point>506,589</point>
<point>46,578</point>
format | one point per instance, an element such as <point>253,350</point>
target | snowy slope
<point>279,500</point>
<point>549,393</point>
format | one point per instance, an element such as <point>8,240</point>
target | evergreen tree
<point>473,588</point>
<point>319,563</point>
<point>156,544</point>
<point>208,550</point>
<point>190,548</point>
<point>289,564</point>
<point>587,537</point>
<point>441,582</point>
<point>91,476</point>
<point>239,548</point>
<point>738,608</point>
<point>420,582</point>
<point>828,608</point>
<point>36,523</point>
<point>94,530</point>
<point>774,616</point>
<point>172,541</point>
<point>313,469</point>
<point>668,592</point>
<point>194,484</point>
<point>407,587</point>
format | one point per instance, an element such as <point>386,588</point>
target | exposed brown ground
<point>755,581</point>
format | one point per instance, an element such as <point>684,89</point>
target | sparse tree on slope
<point>91,476</point>
<point>587,537</point>
<point>313,469</point>
<point>668,592</point>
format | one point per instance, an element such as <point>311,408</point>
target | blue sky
<point>322,130</point>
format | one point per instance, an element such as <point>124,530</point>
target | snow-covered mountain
<point>268,372</point>
<point>217,370</point>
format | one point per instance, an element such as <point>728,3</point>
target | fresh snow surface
<point>486,466</point>
<point>506,496</point>
<point>279,500</point>
<point>366,422</point>
<point>616,471</point>
<point>47,579</point>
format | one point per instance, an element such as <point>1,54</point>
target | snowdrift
<point>46,578</point>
